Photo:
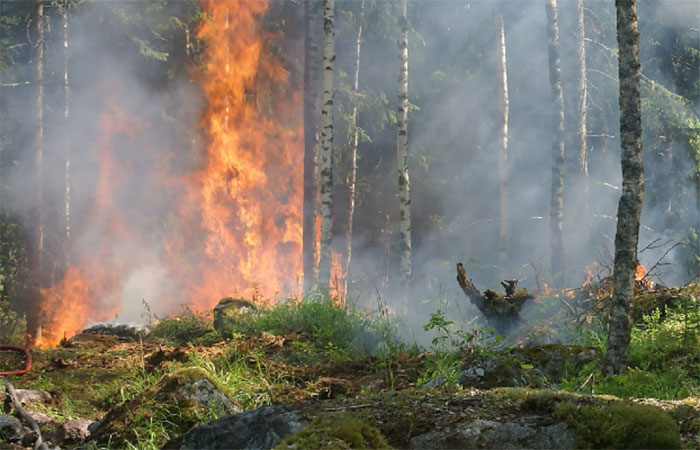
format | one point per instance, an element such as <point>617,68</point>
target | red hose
<point>27,356</point>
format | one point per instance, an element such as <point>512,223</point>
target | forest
<point>350,223</point>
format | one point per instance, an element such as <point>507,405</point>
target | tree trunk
<point>581,129</point>
<point>326,165</point>
<point>555,216</point>
<point>503,145</point>
<point>66,114</point>
<point>402,149</point>
<point>630,206</point>
<point>37,220</point>
<point>311,63</point>
<point>354,140</point>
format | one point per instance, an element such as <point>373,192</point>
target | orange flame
<point>642,277</point>
<point>337,283</point>
<point>236,228</point>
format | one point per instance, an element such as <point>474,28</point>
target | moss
<point>619,425</point>
<point>336,431</point>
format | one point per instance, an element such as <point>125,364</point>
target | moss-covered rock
<point>619,425</point>
<point>553,360</point>
<point>172,406</point>
<point>505,371</point>
<point>336,431</point>
<point>229,310</point>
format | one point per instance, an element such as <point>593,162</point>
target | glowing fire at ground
<point>642,276</point>
<point>236,230</point>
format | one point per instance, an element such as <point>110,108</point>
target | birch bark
<point>326,159</point>
<point>402,149</point>
<point>354,140</point>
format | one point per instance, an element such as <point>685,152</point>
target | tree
<point>326,160</point>
<point>402,149</point>
<point>581,110</point>
<point>630,206</point>
<point>556,207</point>
<point>503,142</point>
<point>311,63</point>
<point>37,220</point>
<point>354,140</point>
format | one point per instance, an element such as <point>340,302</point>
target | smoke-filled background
<point>184,142</point>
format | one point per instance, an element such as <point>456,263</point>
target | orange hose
<point>27,356</point>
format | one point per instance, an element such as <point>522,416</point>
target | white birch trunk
<point>582,111</point>
<point>66,114</point>
<point>354,141</point>
<point>402,149</point>
<point>311,144</point>
<point>326,159</point>
<point>503,144</point>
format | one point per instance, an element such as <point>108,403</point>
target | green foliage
<point>188,328</point>
<point>339,333</point>
<point>619,425</point>
<point>12,326</point>
<point>336,431</point>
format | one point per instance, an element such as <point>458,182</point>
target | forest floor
<point>336,360</point>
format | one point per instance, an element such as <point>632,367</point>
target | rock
<point>189,391</point>
<point>11,429</point>
<point>39,418</point>
<point>552,359</point>
<point>28,396</point>
<point>438,381</point>
<point>127,333</point>
<point>75,431</point>
<point>499,372</point>
<point>261,428</point>
<point>490,434</point>
<point>228,310</point>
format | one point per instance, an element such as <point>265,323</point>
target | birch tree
<point>354,140</point>
<point>66,114</point>
<point>326,157</point>
<point>402,148</point>
<point>556,206</point>
<point>311,64</point>
<point>502,141</point>
<point>630,206</point>
<point>581,129</point>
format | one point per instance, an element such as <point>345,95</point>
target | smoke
<point>135,138</point>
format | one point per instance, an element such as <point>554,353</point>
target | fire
<point>235,226</point>
<point>642,277</point>
<point>337,283</point>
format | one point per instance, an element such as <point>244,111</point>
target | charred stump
<point>502,312</point>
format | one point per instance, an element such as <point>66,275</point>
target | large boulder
<point>229,310</point>
<point>11,429</point>
<point>261,428</point>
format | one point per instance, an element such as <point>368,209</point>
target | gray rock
<point>485,434</point>
<point>261,428</point>
<point>75,431</point>
<point>39,418</point>
<point>28,396</point>
<point>498,372</point>
<point>438,381</point>
<point>229,310</point>
<point>11,429</point>
<point>207,395</point>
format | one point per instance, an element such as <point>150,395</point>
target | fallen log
<point>501,311</point>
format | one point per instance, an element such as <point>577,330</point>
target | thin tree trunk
<point>311,63</point>
<point>36,253</point>
<point>503,144</point>
<point>353,148</point>
<point>326,165</point>
<point>631,200</point>
<point>555,216</point>
<point>581,130</point>
<point>66,114</point>
<point>402,149</point>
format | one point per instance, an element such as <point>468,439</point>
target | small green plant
<point>187,328</point>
